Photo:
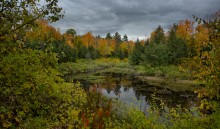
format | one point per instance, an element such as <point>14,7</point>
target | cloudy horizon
<point>135,18</point>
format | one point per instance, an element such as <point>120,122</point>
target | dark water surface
<point>133,91</point>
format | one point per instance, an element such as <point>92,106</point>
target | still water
<point>133,91</point>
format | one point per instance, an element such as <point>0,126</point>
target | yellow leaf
<point>2,116</point>
<point>7,124</point>
<point>9,115</point>
<point>17,119</point>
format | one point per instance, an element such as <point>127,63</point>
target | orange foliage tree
<point>185,30</point>
<point>43,32</point>
<point>88,39</point>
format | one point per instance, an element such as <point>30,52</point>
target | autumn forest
<point>50,79</point>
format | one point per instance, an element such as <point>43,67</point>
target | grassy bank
<point>170,77</point>
<point>111,65</point>
<point>86,66</point>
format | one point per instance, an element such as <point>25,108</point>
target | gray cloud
<point>136,18</point>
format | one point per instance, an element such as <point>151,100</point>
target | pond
<point>133,91</point>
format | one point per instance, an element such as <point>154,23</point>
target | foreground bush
<point>32,93</point>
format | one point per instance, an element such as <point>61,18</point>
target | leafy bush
<point>32,95</point>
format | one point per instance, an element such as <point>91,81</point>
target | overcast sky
<point>136,18</point>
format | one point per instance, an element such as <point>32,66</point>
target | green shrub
<point>32,93</point>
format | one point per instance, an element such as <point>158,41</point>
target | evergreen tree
<point>158,36</point>
<point>121,54</point>
<point>177,46</point>
<point>98,37</point>
<point>71,32</point>
<point>125,38</point>
<point>155,55</point>
<point>117,38</point>
<point>82,51</point>
<point>135,57</point>
<point>64,52</point>
<point>93,53</point>
<point>117,51</point>
<point>108,36</point>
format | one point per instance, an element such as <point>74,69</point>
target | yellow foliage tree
<point>201,37</point>
<point>205,65</point>
<point>111,44</point>
<point>103,47</point>
<point>69,40</point>
<point>131,45</point>
<point>128,46</point>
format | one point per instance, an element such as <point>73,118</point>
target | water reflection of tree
<point>137,94</point>
<point>117,90</point>
<point>108,89</point>
<point>126,89</point>
<point>143,89</point>
<point>113,84</point>
<point>170,99</point>
<point>108,84</point>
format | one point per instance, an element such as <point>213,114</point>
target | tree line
<point>70,46</point>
